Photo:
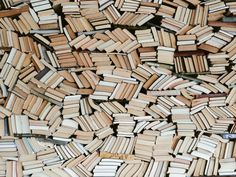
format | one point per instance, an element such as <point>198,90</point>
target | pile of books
<point>117,88</point>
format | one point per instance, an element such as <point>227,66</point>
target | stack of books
<point>186,42</point>
<point>117,88</point>
<point>125,124</point>
<point>192,64</point>
<point>216,10</point>
<point>70,8</point>
<point>44,14</point>
<point>181,116</point>
<point>231,6</point>
<point>129,6</point>
<point>149,6</point>
<point>218,63</point>
<point>107,167</point>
